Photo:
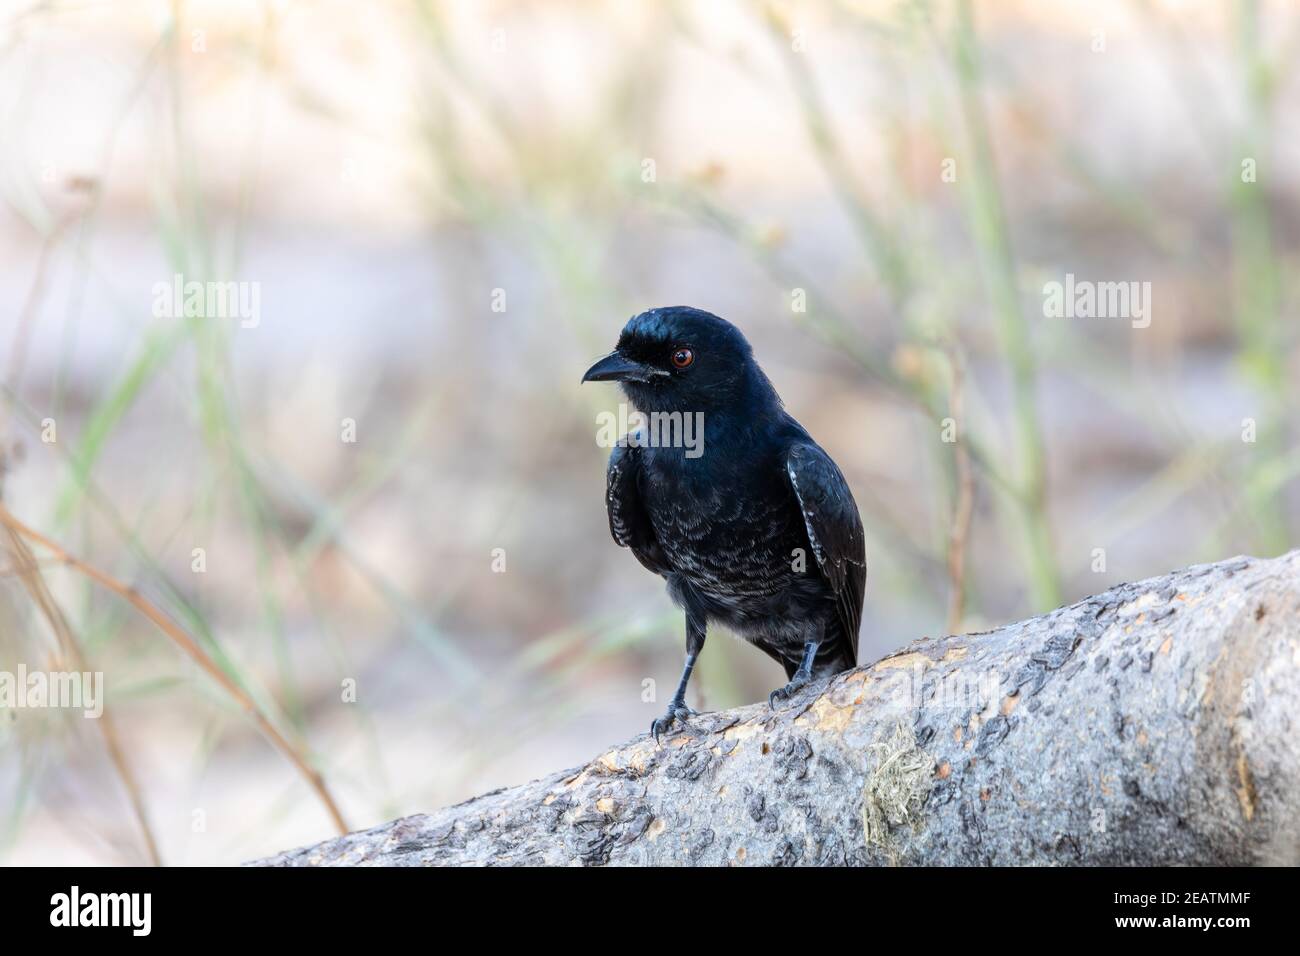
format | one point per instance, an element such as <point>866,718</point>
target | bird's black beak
<point>615,368</point>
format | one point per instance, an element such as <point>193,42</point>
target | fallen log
<point>1152,724</point>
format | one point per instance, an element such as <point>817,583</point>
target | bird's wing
<point>834,530</point>
<point>628,521</point>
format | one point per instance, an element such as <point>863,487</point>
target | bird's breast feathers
<point>725,541</point>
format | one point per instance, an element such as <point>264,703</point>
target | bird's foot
<point>797,683</point>
<point>677,710</point>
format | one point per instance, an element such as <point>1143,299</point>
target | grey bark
<point>1150,724</point>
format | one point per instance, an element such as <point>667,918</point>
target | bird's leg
<point>801,676</point>
<point>677,709</point>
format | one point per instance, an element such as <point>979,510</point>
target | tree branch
<point>1152,724</point>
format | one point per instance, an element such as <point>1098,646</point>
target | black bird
<point>757,529</point>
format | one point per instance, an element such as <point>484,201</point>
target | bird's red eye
<point>683,357</point>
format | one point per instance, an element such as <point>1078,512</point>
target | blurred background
<point>448,209</point>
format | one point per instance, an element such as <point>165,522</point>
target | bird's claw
<point>798,683</point>
<point>677,710</point>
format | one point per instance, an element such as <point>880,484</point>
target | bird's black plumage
<point>756,528</point>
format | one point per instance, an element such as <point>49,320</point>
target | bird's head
<point>681,359</point>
